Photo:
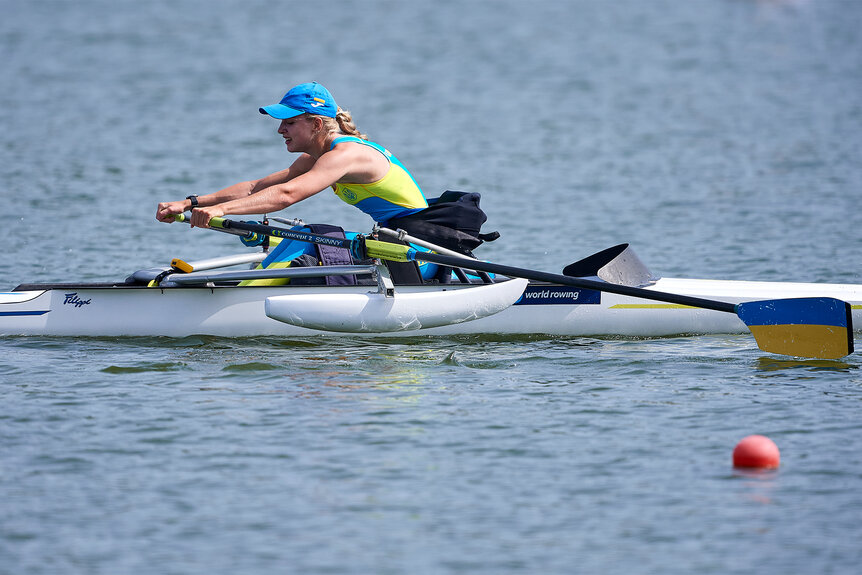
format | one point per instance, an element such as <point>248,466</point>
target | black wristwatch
<point>193,200</point>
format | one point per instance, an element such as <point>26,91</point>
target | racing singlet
<point>395,195</point>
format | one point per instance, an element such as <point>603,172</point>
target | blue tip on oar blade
<point>806,327</point>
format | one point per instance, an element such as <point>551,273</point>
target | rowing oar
<point>816,327</point>
<point>356,246</point>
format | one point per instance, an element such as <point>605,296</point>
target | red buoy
<point>756,451</point>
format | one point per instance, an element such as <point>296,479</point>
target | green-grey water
<point>720,138</point>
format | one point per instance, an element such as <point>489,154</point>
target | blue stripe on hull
<point>20,313</point>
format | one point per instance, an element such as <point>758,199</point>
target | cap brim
<point>280,111</point>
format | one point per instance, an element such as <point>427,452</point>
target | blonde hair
<point>342,122</point>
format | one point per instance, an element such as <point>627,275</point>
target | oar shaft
<point>534,275</point>
<point>224,224</point>
<point>357,245</point>
<point>361,248</point>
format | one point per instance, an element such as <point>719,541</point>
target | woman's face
<point>297,133</point>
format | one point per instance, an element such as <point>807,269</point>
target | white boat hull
<point>82,310</point>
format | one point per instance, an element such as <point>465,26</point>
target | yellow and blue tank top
<point>395,195</point>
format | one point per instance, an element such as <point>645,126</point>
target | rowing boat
<point>210,297</point>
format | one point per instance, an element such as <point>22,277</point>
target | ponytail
<point>343,122</point>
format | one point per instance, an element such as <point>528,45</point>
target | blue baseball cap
<point>311,98</point>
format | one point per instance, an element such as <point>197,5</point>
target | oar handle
<point>186,219</point>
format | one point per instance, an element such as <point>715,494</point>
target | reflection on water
<point>773,363</point>
<point>758,485</point>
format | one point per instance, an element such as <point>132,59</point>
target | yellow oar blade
<point>819,328</point>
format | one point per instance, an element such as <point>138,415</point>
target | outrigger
<point>610,293</point>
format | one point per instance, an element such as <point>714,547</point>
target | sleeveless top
<point>395,195</point>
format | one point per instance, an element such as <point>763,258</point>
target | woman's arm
<point>280,193</point>
<point>166,210</point>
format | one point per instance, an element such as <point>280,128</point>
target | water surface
<point>719,137</point>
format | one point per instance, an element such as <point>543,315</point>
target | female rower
<point>333,153</point>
